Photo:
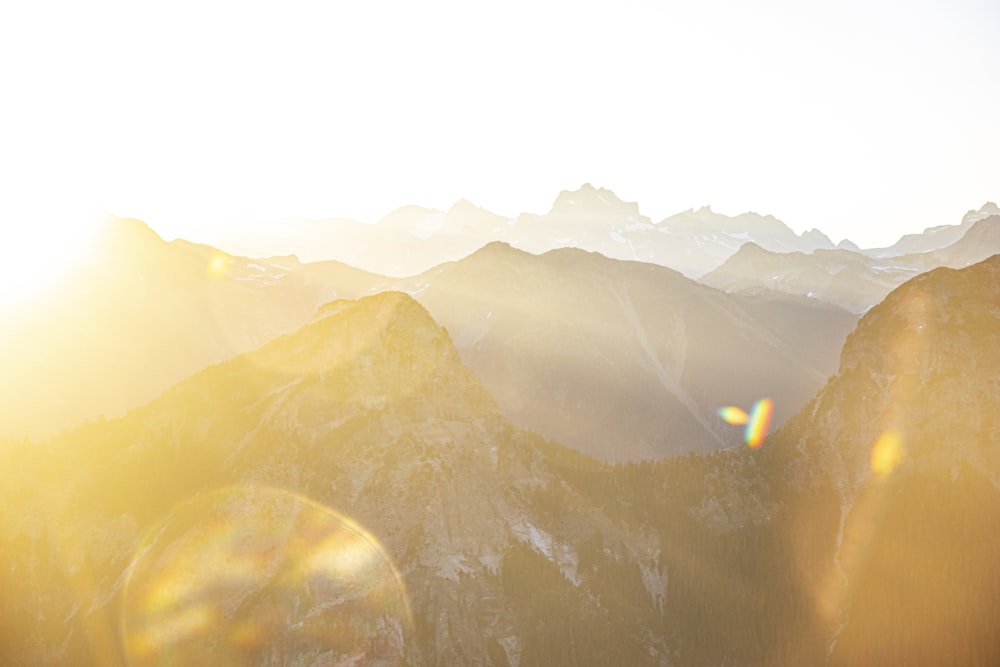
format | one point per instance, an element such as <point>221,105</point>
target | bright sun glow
<point>866,120</point>
<point>41,256</point>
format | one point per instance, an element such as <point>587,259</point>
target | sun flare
<point>39,258</point>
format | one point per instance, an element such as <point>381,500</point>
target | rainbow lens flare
<point>734,415</point>
<point>758,421</point>
<point>257,575</point>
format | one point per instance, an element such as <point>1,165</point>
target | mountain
<point>692,242</point>
<point>863,532</point>
<point>414,239</point>
<point>850,279</point>
<point>142,314</point>
<point>350,494</point>
<point>934,238</point>
<point>404,242</point>
<point>625,360</point>
<point>710,237</point>
<point>980,240</point>
<point>892,478</point>
<point>346,494</point>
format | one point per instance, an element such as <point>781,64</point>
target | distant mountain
<point>934,238</point>
<point>852,280</point>
<point>848,279</point>
<point>143,314</point>
<point>625,360</point>
<point>414,239</point>
<point>711,237</point>
<point>403,243</point>
<point>980,240</point>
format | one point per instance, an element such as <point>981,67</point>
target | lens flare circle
<point>258,575</point>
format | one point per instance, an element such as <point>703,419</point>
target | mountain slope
<point>143,314</point>
<point>359,438</point>
<point>851,279</point>
<point>848,279</point>
<point>892,479</point>
<point>862,533</point>
<point>935,238</point>
<point>625,360</point>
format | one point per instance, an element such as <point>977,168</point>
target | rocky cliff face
<point>891,478</point>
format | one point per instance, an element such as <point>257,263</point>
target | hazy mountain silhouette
<point>854,280</point>
<point>625,360</point>
<point>414,239</point>
<point>143,314</point>
<point>848,279</point>
<point>934,238</point>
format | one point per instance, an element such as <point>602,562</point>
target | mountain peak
<point>592,203</point>
<point>817,238</point>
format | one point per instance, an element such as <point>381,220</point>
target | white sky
<point>864,119</point>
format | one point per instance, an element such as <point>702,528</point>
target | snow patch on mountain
<point>561,555</point>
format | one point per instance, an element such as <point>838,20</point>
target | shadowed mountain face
<point>141,315</point>
<point>624,360</point>
<point>350,494</point>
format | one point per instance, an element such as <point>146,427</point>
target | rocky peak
<point>817,238</point>
<point>590,203</point>
<point>985,211</point>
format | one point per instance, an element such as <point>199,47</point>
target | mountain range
<point>857,280</point>
<point>625,360</point>
<point>350,493</point>
<point>513,456</point>
<point>621,360</point>
<point>414,239</point>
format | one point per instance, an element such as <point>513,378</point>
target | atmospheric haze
<point>864,121</point>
